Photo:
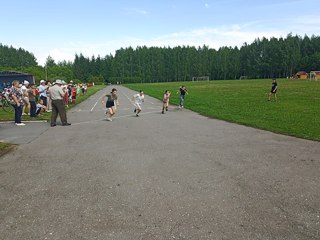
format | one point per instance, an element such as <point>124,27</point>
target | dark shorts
<point>109,104</point>
<point>272,91</point>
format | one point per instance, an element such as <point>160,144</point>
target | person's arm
<point>62,93</point>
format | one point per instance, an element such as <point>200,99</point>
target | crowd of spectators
<point>33,100</point>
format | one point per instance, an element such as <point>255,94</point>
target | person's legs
<point>138,109</point>
<point>54,113</point>
<point>44,99</point>
<point>181,100</point>
<point>62,112</point>
<point>17,113</point>
<point>33,108</point>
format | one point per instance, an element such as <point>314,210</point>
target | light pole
<point>45,68</point>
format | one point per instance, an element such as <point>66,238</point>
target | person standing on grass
<point>43,91</point>
<point>15,97</point>
<point>112,99</point>
<point>183,91</point>
<point>32,100</point>
<point>274,88</point>
<point>58,106</point>
<point>25,97</point>
<point>165,101</point>
<point>137,100</point>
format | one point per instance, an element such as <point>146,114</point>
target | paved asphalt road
<point>173,176</point>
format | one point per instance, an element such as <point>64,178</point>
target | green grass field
<point>297,112</point>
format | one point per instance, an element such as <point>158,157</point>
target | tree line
<point>263,58</point>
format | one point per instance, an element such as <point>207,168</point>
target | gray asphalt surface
<point>173,176</point>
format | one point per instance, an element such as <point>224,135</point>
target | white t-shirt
<point>42,90</point>
<point>24,91</point>
<point>138,99</point>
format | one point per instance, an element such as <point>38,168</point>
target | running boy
<point>183,91</point>
<point>165,100</point>
<point>110,106</point>
<point>138,99</point>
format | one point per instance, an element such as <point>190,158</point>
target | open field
<point>297,112</point>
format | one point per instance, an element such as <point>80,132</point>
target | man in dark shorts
<point>110,104</point>
<point>274,88</point>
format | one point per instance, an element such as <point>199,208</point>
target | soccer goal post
<point>202,78</point>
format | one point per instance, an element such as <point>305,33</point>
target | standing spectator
<point>183,91</point>
<point>43,91</point>
<point>138,99</point>
<point>49,104</point>
<point>274,88</point>
<point>32,100</point>
<point>57,95</point>
<point>25,97</point>
<point>66,95</point>
<point>165,101</point>
<point>15,97</point>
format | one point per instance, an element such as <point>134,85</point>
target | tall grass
<point>297,112</point>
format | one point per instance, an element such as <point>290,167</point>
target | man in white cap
<point>57,95</point>
<point>25,97</point>
<point>43,91</point>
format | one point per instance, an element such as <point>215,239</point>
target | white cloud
<point>207,5</point>
<point>230,35</point>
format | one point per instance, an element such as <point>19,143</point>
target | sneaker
<point>24,114</point>
<point>66,124</point>
<point>20,124</point>
<point>137,115</point>
<point>162,112</point>
<point>134,110</point>
<point>109,119</point>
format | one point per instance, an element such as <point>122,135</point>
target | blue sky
<point>62,28</point>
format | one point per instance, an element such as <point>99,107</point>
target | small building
<point>301,75</point>
<point>7,77</point>
<point>315,75</point>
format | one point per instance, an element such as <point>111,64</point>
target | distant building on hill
<point>6,77</point>
<point>301,75</point>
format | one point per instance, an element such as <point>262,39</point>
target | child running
<point>183,91</point>
<point>138,99</point>
<point>110,106</point>
<point>165,100</point>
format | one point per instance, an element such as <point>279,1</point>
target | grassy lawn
<point>9,116</point>
<point>297,112</point>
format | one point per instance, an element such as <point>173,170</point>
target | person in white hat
<point>25,97</point>
<point>58,106</point>
<point>42,89</point>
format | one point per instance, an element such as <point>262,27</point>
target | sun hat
<point>42,81</point>
<point>58,81</point>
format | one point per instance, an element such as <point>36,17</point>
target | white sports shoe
<point>20,124</point>
<point>109,119</point>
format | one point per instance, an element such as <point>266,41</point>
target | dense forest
<point>263,58</point>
